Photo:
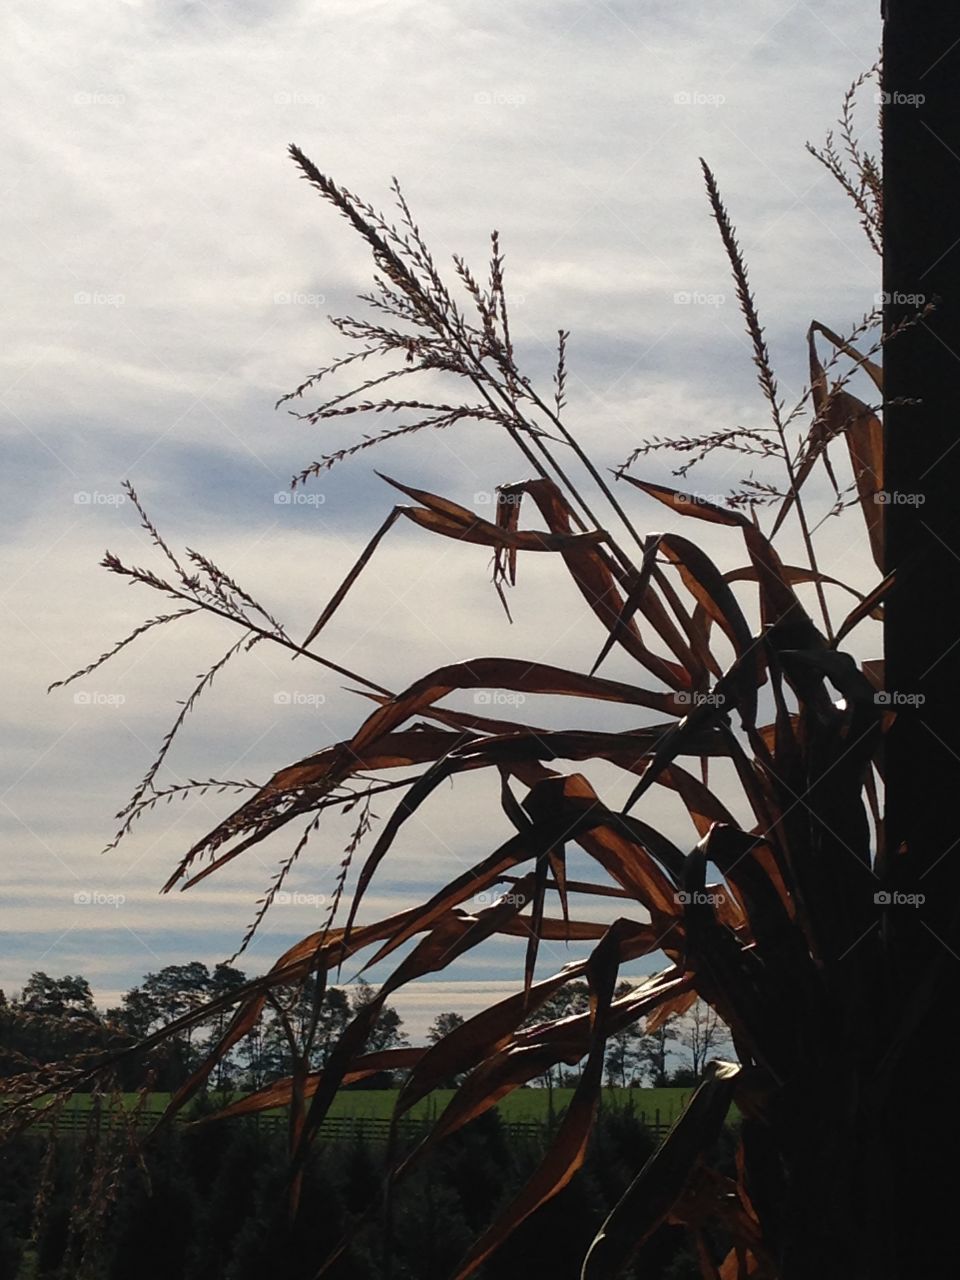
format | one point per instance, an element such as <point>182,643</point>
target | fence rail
<point>334,1128</point>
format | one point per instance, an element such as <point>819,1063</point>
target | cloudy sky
<point>168,278</point>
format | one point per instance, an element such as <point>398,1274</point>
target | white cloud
<point>168,278</point>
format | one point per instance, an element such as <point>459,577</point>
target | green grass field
<point>521,1105</point>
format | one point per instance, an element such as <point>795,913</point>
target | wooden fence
<point>334,1128</point>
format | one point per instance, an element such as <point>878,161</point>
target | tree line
<point>53,1018</point>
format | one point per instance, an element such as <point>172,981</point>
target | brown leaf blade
<point>662,1180</point>
<point>568,1150</point>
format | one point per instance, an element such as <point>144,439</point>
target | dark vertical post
<point>921,127</point>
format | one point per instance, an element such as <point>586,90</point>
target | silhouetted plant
<point>783,945</point>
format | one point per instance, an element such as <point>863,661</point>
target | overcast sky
<point>167,278</point>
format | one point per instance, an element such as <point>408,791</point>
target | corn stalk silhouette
<point>732,667</point>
